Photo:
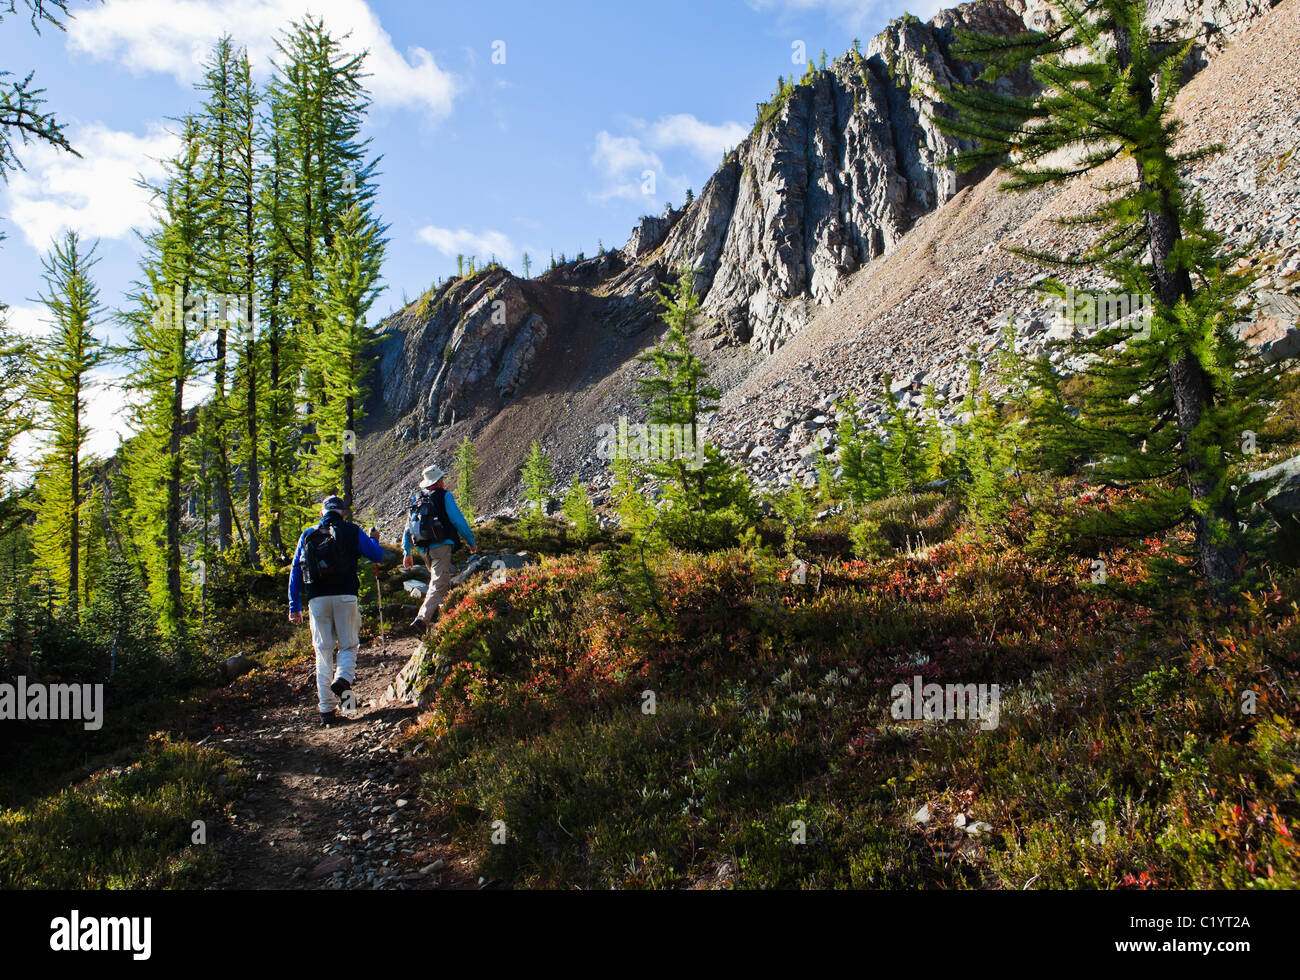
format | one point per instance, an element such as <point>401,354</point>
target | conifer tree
<point>279,419</point>
<point>166,325</point>
<point>861,455</point>
<point>579,512</point>
<point>351,276</point>
<point>901,461</point>
<point>537,480</point>
<point>62,377</point>
<point>699,482</point>
<point>230,131</point>
<point>1169,402</point>
<point>936,440</point>
<point>317,102</point>
<point>23,116</point>
<point>465,462</point>
<point>222,257</point>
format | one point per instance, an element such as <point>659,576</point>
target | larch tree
<point>351,280</point>
<point>1172,394</point>
<point>62,376</point>
<point>166,327</point>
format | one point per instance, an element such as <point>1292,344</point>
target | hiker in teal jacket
<point>448,528</point>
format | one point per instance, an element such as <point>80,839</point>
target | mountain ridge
<point>834,176</point>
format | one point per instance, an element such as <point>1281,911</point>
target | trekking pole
<point>379,601</point>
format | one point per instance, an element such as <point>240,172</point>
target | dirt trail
<point>330,807</point>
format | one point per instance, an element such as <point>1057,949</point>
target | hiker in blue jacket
<point>325,573</point>
<point>434,529</point>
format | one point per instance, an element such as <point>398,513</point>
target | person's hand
<point>295,618</point>
<point>474,550</point>
<point>408,561</point>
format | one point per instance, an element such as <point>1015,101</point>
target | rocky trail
<point>329,808</point>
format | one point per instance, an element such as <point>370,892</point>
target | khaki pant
<point>335,619</point>
<point>438,561</point>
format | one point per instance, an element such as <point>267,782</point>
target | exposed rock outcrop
<point>844,169</point>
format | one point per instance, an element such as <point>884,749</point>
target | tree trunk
<point>74,551</point>
<point>1193,389</point>
<point>176,607</point>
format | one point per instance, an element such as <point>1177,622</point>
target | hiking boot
<point>329,719</point>
<point>341,685</point>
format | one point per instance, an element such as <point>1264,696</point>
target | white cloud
<point>175,37</point>
<point>482,245</point>
<point>633,167</point>
<point>616,155</point>
<point>704,140</point>
<point>627,165</point>
<point>854,14</point>
<point>28,321</point>
<point>95,194</point>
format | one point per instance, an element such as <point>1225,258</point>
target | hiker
<point>434,529</point>
<point>325,567</point>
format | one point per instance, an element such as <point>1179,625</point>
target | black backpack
<point>329,557</point>
<point>428,522</point>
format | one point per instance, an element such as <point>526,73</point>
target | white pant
<point>335,619</point>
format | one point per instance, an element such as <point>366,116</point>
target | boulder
<point>236,666</point>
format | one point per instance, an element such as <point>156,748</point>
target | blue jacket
<point>456,517</point>
<point>367,547</point>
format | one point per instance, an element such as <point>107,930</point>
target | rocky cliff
<point>837,173</point>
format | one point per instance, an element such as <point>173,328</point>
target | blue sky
<point>544,151</point>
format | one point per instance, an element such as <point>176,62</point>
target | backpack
<point>329,558</point>
<point>428,523</point>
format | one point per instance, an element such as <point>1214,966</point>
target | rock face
<point>839,172</point>
<point>836,172</point>
<point>470,337</point>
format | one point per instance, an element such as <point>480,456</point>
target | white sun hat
<point>432,475</point>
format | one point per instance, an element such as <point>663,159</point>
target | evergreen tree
<point>351,279</point>
<point>279,424</point>
<point>579,512</point>
<point>222,256</point>
<point>317,102</point>
<point>634,511</point>
<point>466,461</point>
<point>1169,403</point>
<point>708,496</point>
<point>62,376</point>
<point>537,480</point>
<point>861,455</point>
<point>229,125</point>
<point>528,267</point>
<point>902,464</point>
<point>163,352</point>
<point>935,439</point>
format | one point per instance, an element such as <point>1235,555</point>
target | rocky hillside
<point>832,247</point>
